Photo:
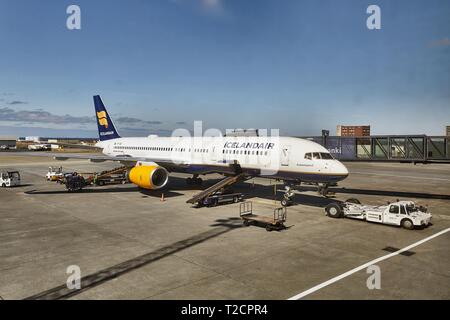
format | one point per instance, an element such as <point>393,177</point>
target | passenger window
<point>316,156</point>
<point>308,156</point>
<point>394,209</point>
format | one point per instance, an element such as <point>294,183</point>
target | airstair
<point>228,181</point>
<point>104,174</point>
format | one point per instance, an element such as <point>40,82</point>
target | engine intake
<point>149,177</point>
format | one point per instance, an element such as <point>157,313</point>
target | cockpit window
<point>316,155</point>
<point>308,156</point>
<point>326,156</point>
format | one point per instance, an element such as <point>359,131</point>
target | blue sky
<point>300,66</point>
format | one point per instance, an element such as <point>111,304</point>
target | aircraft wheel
<point>269,227</point>
<point>3,185</point>
<point>333,210</point>
<point>246,223</point>
<point>235,199</point>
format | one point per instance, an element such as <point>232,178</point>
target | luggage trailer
<point>276,222</point>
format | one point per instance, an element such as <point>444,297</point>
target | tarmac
<point>129,244</point>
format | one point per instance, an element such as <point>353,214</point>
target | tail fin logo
<point>102,119</point>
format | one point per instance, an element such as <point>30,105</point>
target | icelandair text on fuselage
<point>248,145</point>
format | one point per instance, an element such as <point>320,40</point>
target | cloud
<point>39,116</point>
<point>16,102</point>
<point>41,119</point>
<point>135,121</point>
<point>210,7</point>
<point>211,4</point>
<point>444,42</point>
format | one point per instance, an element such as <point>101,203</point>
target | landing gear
<point>195,180</point>
<point>322,189</point>
<point>288,195</point>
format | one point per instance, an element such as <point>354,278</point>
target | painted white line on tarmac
<point>398,176</point>
<point>364,266</point>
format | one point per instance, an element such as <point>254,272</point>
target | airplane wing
<point>96,157</point>
<point>128,160</point>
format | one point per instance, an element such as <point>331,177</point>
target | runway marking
<point>364,266</point>
<point>398,176</point>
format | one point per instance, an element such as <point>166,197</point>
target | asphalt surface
<point>129,244</point>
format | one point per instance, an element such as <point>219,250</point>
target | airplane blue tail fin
<point>106,129</point>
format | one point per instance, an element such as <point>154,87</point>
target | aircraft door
<point>285,153</point>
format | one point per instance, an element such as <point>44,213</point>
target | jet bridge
<point>397,148</point>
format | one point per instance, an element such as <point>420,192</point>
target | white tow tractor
<point>401,213</point>
<point>9,179</point>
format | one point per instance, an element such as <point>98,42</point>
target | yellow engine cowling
<point>149,177</point>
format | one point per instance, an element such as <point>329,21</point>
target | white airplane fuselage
<point>286,158</point>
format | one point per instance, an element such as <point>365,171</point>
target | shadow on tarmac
<point>258,191</point>
<point>388,193</point>
<point>221,226</point>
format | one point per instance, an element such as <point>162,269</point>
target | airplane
<point>150,159</point>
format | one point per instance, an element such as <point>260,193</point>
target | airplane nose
<point>342,170</point>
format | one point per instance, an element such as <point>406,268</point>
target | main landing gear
<point>195,180</point>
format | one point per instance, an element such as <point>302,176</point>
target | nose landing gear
<point>322,189</point>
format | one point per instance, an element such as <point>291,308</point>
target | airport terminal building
<point>8,141</point>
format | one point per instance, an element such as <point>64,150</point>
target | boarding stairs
<point>107,173</point>
<point>228,181</point>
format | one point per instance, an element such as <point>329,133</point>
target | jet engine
<point>151,177</point>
